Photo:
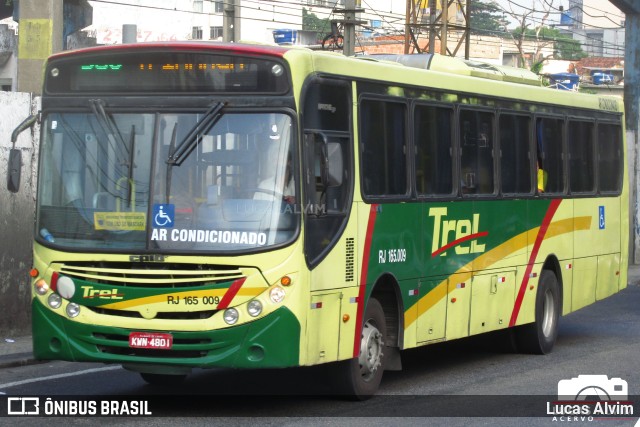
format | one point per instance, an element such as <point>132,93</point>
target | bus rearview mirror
<point>14,170</point>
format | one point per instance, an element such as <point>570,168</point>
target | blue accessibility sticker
<point>163,215</point>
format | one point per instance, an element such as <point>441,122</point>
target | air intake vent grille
<point>350,259</point>
<point>155,275</point>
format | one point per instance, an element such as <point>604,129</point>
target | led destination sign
<point>162,72</point>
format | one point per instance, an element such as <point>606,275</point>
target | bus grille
<point>151,275</point>
<point>167,315</point>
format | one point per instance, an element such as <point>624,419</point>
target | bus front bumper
<point>270,342</point>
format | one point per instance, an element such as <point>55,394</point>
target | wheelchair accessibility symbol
<point>601,221</point>
<point>163,215</point>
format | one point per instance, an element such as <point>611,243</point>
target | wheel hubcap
<point>548,313</point>
<point>370,350</point>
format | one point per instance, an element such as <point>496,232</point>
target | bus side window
<point>550,152</point>
<point>609,158</point>
<point>581,157</point>
<point>515,159</point>
<point>476,157</point>
<point>434,151</point>
<point>383,147</point>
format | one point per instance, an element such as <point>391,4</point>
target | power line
<point>596,42</point>
<point>390,19</point>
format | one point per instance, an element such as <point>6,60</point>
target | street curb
<point>17,360</point>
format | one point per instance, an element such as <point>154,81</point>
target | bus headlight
<point>276,294</point>
<point>65,287</point>
<point>41,286</point>
<point>254,308</point>
<point>73,309</point>
<point>55,301</point>
<point>231,316</point>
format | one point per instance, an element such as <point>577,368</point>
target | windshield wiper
<point>181,151</point>
<point>172,148</point>
<point>132,153</point>
<point>111,128</point>
<point>107,123</point>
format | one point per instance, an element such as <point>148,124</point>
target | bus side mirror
<point>14,170</point>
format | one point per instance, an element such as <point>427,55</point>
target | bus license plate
<point>156,341</point>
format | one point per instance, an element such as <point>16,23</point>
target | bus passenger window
<point>434,160</point>
<point>609,158</point>
<point>476,156</point>
<point>581,157</point>
<point>383,149</point>
<point>549,135</point>
<point>515,163</point>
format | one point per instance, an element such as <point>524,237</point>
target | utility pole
<point>231,21</point>
<point>351,10</point>
<point>440,26</point>
<point>631,8</point>
<point>40,24</point>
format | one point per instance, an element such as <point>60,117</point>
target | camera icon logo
<point>593,388</point>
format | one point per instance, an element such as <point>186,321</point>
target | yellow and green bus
<point>245,206</point>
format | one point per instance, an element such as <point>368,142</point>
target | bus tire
<point>540,336</point>
<point>359,378</point>
<point>163,380</point>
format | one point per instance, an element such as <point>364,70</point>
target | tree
<point>568,48</point>
<point>564,47</point>
<point>524,37</point>
<point>486,18</point>
<point>311,22</point>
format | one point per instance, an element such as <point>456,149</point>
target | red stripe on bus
<point>231,293</point>
<point>363,279</point>
<point>458,241</point>
<point>553,207</point>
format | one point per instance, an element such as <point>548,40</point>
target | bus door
<point>329,236</point>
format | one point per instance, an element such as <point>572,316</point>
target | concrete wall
<point>16,215</point>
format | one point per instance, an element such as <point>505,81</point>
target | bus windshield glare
<point>110,181</point>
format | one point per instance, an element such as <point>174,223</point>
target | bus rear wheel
<point>540,336</point>
<point>359,378</point>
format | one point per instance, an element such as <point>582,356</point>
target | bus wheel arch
<point>387,291</point>
<point>358,378</point>
<point>380,337</point>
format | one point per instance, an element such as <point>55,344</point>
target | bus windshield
<point>111,181</point>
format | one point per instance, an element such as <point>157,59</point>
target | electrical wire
<point>390,19</point>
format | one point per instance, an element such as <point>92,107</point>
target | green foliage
<point>537,67</point>
<point>565,47</point>
<point>311,22</point>
<point>486,18</point>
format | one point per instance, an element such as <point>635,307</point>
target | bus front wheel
<point>359,378</point>
<point>540,336</point>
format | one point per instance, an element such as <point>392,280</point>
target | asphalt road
<point>469,382</point>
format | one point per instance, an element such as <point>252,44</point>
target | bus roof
<point>455,75</point>
<point>449,64</point>
<point>256,49</point>
<point>435,71</point>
